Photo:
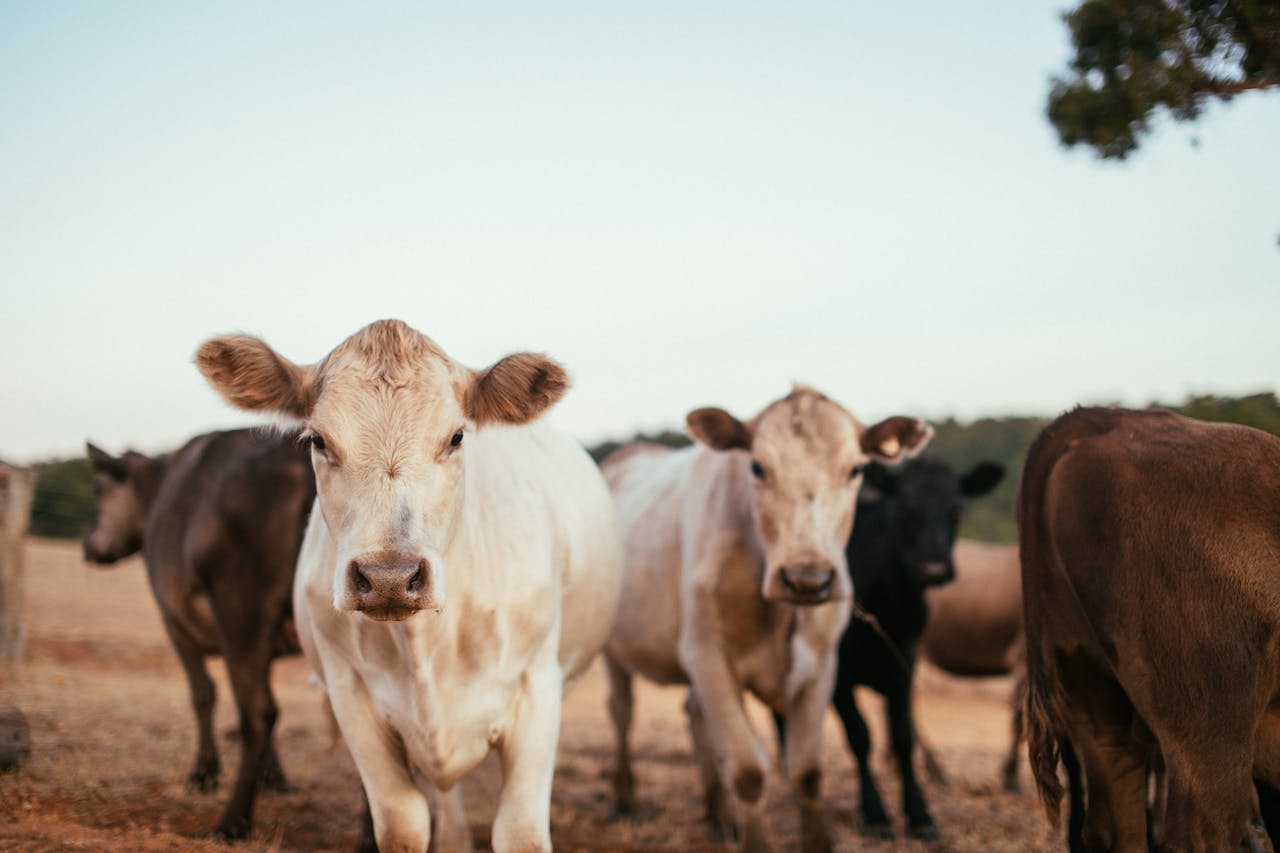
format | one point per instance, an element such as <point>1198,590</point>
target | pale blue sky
<point>687,203</point>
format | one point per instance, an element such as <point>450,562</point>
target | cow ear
<point>515,390</point>
<point>984,477</point>
<point>880,478</point>
<point>895,438</point>
<point>103,461</point>
<point>718,429</point>
<point>252,376</point>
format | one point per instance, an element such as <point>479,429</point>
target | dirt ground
<point>113,738</point>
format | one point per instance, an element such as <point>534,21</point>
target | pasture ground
<point>113,738</point>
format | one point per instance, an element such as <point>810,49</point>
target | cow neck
<point>147,486</point>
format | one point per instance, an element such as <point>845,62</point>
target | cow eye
<point>856,472</point>
<point>456,441</point>
<point>317,442</point>
<point>757,470</point>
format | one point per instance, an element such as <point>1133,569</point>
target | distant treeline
<point>63,505</point>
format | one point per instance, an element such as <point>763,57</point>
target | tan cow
<point>461,568</point>
<point>736,580</point>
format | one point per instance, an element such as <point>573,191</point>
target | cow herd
<point>450,565</point>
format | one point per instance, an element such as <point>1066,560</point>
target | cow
<point>219,524</point>
<point>900,546</point>
<point>1150,548</point>
<point>460,570</point>
<point>735,580</point>
<point>975,631</point>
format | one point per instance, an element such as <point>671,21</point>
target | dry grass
<point>113,738</point>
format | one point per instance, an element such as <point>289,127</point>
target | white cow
<point>461,568</point>
<point>736,580</point>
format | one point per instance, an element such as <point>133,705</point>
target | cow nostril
<point>362,582</point>
<point>786,581</point>
<point>419,579</point>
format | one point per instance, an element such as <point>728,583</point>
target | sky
<point>686,203</point>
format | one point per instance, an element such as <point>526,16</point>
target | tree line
<point>63,505</point>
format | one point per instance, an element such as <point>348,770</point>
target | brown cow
<point>975,631</point>
<point>1150,551</point>
<point>219,524</point>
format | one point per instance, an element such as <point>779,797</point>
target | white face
<point>388,457</point>
<point>805,466</point>
<point>386,415</point>
<point>805,455</point>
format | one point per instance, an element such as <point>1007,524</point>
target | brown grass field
<point>113,738</point>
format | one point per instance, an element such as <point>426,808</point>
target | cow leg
<point>528,753</point>
<point>1115,771</point>
<point>204,774</point>
<point>1075,797</point>
<point>1211,800</point>
<point>273,778</point>
<point>719,815</point>
<point>901,728</point>
<point>933,768</point>
<point>398,812</point>
<point>620,705</point>
<point>803,760</point>
<point>1009,770</point>
<point>249,667</point>
<point>875,822</point>
<point>451,829</point>
<point>739,755</point>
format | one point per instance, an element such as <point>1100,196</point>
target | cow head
<point>386,416</point>
<point>804,457</point>
<point>923,499</point>
<point>122,486</point>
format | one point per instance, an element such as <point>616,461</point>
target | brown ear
<point>250,375</point>
<point>896,438</point>
<point>515,390</point>
<point>103,461</point>
<point>718,429</point>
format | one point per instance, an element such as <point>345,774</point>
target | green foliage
<point>1260,411</point>
<point>63,504</point>
<point>1004,440</point>
<point>1134,57</point>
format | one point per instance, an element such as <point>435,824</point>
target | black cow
<point>219,524</point>
<point>901,544</point>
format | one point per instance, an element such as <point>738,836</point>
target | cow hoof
<point>231,829</point>
<point>723,833</point>
<point>622,811</point>
<point>879,831</point>
<point>202,781</point>
<point>925,832</point>
<point>279,784</point>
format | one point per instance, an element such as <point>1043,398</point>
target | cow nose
<point>809,583</point>
<point>388,585</point>
<point>936,572</point>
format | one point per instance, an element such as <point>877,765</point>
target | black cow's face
<point>928,499</point>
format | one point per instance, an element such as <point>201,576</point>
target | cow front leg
<point>451,831</point>
<point>875,821</point>
<point>718,812</point>
<point>398,812</point>
<point>803,755</point>
<point>738,753</point>
<point>528,753</point>
<point>901,729</point>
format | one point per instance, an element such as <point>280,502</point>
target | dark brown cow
<point>1150,549</point>
<point>219,524</point>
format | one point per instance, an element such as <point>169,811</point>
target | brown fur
<point>516,390</point>
<point>895,435</point>
<point>1150,547</point>
<point>255,377</point>
<point>219,523</point>
<point>718,429</point>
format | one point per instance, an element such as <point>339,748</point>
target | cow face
<point>117,487</point>
<point>926,500</point>
<point>387,417</point>
<point>804,460</point>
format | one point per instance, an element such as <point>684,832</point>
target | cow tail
<point>1043,746</point>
